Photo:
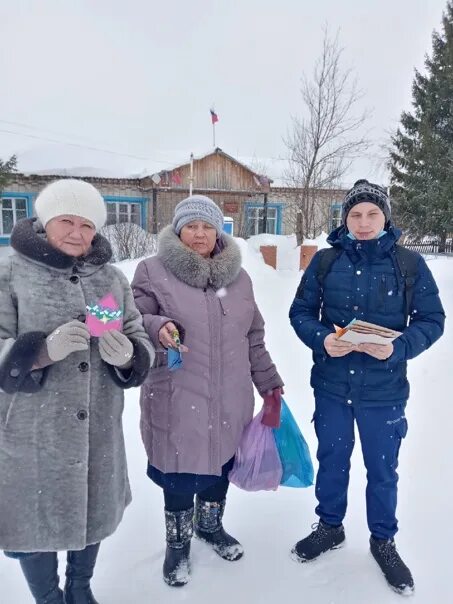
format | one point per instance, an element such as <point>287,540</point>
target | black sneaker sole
<point>406,591</point>
<point>295,556</point>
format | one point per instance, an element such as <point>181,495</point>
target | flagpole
<point>191,174</point>
<point>214,119</point>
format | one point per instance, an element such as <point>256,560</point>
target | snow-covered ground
<point>268,524</point>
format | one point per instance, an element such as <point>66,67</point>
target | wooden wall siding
<point>213,172</point>
<point>168,199</point>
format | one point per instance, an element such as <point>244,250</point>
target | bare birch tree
<point>323,142</point>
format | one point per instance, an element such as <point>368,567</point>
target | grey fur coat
<point>63,473</point>
<point>192,419</point>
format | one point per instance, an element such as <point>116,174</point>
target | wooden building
<point>149,201</point>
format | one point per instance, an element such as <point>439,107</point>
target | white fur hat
<point>74,197</point>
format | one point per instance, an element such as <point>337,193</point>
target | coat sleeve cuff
<point>399,352</point>
<point>318,340</point>
<point>274,382</point>
<point>135,375</point>
<point>15,371</point>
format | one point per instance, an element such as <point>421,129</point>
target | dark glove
<point>272,407</point>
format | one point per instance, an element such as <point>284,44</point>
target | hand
<point>66,339</point>
<point>166,339</point>
<point>378,351</point>
<point>337,348</point>
<point>116,349</point>
<point>272,407</point>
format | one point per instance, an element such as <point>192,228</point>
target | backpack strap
<point>326,259</point>
<point>407,261</point>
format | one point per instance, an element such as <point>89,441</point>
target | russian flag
<point>214,116</point>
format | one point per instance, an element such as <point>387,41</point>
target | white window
<point>118,212</point>
<point>255,221</point>
<point>12,209</point>
<point>335,216</point>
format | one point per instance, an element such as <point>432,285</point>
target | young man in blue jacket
<point>367,277</point>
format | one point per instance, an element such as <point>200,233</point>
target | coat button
<point>81,318</point>
<point>74,279</point>
<point>82,414</point>
<point>83,366</point>
<point>15,372</point>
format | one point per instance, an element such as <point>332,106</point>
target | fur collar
<point>28,238</point>
<point>191,268</point>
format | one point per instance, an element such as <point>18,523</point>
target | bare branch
<point>325,141</point>
<point>129,241</point>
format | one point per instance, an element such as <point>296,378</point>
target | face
<point>365,220</point>
<point>199,236</point>
<point>72,235</point>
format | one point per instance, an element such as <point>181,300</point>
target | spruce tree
<point>422,153</point>
<point>6,170</point>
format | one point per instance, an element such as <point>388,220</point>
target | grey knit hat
<point>366,191</point>
<point>197,207</point>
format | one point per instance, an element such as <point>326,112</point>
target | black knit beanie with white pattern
<point>366,191</point>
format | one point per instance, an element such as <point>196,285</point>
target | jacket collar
<point>29,239</point>
<point>194,270</point>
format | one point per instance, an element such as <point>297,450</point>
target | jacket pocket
<point>400,433</point>
<point>6,406</point>
<point>160,360</point>
<point>392,301</point>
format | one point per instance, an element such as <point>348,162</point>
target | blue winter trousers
<point>381,430</point>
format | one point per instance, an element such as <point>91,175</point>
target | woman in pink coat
<point>193,417</point>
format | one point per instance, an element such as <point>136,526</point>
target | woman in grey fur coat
<point>63,473</point>
<point>193,417</point>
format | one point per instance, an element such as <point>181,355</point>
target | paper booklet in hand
<point>104,315</point>
<point>361,332</point>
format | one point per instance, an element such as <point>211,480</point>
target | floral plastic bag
<point>293,451</point>
<point>257,465</point>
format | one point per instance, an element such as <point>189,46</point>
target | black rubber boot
<point>79,570</point>
<point>179,527</point>
<point>397,574</point>
<point>323,538</point>
<point>209,528</point>
<point>41,573</point>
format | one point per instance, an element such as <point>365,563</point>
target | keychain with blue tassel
<point>174,355</point>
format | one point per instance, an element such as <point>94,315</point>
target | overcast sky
<point>138,77</point>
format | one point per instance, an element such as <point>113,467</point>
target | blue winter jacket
<point>364,282</point>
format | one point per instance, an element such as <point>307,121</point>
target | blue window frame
<point>126,209</point>
<point>13,207</point>
<point>254,218</point>
<point>335,215</point>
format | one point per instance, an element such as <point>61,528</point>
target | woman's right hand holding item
<point>66,339</point>
<point>166,337</point>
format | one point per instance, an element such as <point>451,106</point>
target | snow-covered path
<point>268,524</point>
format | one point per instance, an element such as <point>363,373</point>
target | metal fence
<point>430,248</point>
